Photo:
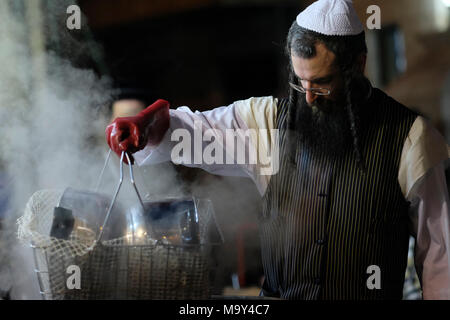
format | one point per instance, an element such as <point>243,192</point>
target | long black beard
<point>323,127</point>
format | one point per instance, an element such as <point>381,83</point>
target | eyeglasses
<point>316,91</point>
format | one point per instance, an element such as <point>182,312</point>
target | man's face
<point>322,121</point>
<point>319,72</point>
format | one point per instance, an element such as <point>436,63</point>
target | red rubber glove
<point>131,134</point>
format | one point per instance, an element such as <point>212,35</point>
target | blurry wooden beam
<point>106,13</point>
<point>421,86</point>
<point>35,19</point>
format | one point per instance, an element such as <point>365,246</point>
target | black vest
<point>324,222</point>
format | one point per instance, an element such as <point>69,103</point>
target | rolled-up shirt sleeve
<point>236,132</point>
<point>430,217</point>
<point>422,179</point>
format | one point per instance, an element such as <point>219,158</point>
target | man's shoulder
<point>257,105</point>
<point>258,102</point>
<point>258,112</point>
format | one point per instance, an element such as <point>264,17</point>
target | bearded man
<point>357,172</point>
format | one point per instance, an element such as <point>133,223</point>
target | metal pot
<point>81,214</point>
<point>169,221</point>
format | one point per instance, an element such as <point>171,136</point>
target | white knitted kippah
<point>331,17</point>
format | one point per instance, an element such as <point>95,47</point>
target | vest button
<point>317,281</point>
<point>320,241</point>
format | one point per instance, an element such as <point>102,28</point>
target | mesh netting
<point>112,269</point>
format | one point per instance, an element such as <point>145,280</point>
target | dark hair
<point>347,49</point>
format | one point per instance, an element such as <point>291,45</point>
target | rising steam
<point>52,121</point>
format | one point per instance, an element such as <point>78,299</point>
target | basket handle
<point>100,178</point>
<point>102,173</point>
<point>113,201</point>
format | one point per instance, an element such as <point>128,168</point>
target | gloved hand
<point>131,134</point>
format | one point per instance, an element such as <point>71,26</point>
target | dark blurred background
<point>199,53</point>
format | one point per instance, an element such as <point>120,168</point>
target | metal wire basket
<point>82,267</point>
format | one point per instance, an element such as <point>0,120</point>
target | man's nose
<point>310,97</point>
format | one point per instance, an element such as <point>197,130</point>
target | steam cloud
<point>49,111</point>
<point>52,121</point>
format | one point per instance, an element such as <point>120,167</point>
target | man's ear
<point>361,61</point>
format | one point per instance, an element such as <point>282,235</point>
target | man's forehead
<point>322,64</point>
